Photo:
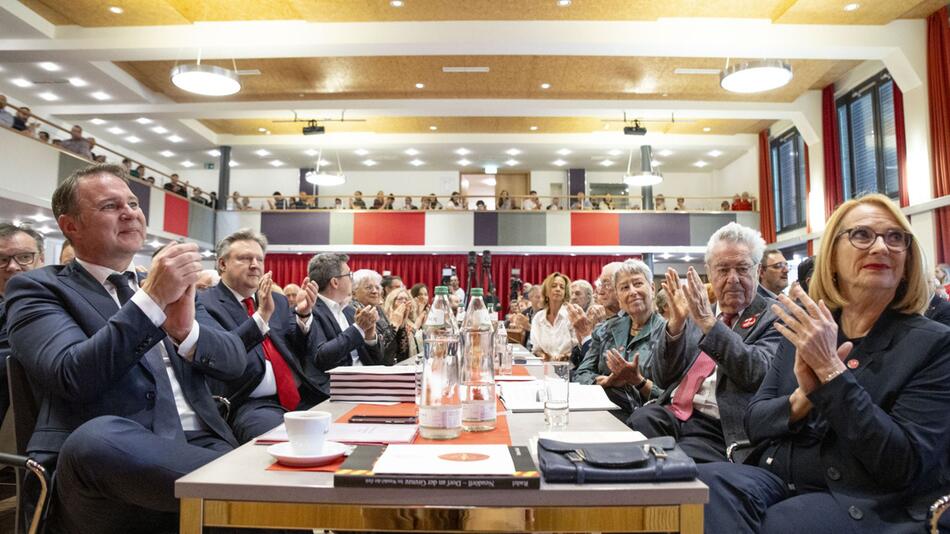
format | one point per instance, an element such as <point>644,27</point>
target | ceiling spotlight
<point>115,130</point>
<point>665,152</point>
<point>20,82</point>
<point>687,258</point>
<point>545,86</point>
<point>714,153</point>
<point>417,162</point>
<point>464,162</point>
<point>563,152</point>
<point>396,3</point>
<point>615,152</point>
<point>666,255</point>
<point>563,3</point>
<point>756,76</point>
<point>207,80</point>
<point>132,139</point>
<point>160,130</point>
<point>361,151</point>
<point>463,152</point>
<point>214,152</point>
<point>262,152</point>
<point>48,96</point>
<point>420,86</point>
<point>276,163</point>
<point>324,178</point>
<point>323,163</point>
<point>655,163</point>
<point>97,121</point>
<point>559,162</point>
<point>369,163</point>
<point>311,152</point>
<point>50,67</point>
<point>187,164</point>
<point>116,10</point>
<point>700,164</point>
<point>143,120</point>
<point>606,163</point>
<point>433,127</point>
<point>262,129</point>
<point>99,95</point>
<point>174,139</point>
<point>410,152</point>
<point>233,163</point>
<point>512,162</point>
<point>707,129</point>
<point>852,6</point>
<point>167,153</point>
<point>491,169</point>
<point>533,128</point>
<point>78,82</point>
<point>512,152</point>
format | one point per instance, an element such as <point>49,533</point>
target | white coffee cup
<point>307,431</point>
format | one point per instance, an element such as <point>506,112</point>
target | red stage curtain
<point>427,268</point>
<point>938,83</point>
<point>766,202</point>
<point>901,135</point>
<point>834,188</point>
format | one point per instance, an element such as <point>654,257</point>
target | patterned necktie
<point>166,422</point>
<point>682,404</point>
<point>286,387</point>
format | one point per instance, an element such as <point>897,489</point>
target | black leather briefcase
<point>653,460</point>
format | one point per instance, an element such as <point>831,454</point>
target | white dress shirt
<point>554,339</point>
<point>337,310</point>
<point>189,419</point>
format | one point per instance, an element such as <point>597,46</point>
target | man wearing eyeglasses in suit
<point>773,274</point>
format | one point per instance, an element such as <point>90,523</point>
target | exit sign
<point>209,166</point>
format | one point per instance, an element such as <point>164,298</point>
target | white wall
<point>415,183</point>
<point>250,182</point>
<point>29,167</point>
<point>541,182</point>
<point>739,176</point>
<point>675,184</point>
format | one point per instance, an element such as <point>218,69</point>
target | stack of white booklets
<point>373,383</point>
<point>522,397</point>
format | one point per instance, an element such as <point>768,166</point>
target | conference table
<point>237,490</point>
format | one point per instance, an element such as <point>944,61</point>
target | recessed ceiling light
<point>512,162</point>
<point>417,162</point>
<point>464,162</point>
<point>707,129</point>
<point>187,164</point>
<point>852,6</point>
<point>48,96</point>
<point>21,82</point>
<point>533,128</point>
<point>614,152</point>
<point>545,86</point>
<point>78,82</point>
<point>463,151</point>
<point>563,3</point>
<point>655,163</point>
<point>267,132</point>
<point>512,152</point>
<point>115,130</point>
<point>700,164</point>
<point>420,86</point>
<point>160,130</point>
<point>323,163</point>
<point>97,121</point>
<point>361,151</point>
<point>559,162</point>
<point>687,258</point>
<point>51,67</point>
<point>233,163</point>
<point>276,163</point>
<point>116,10</point>
<point>410,152</point>
<point>311,152</point>
<point>369,162</point>
<point>563,152</point>
<point>174,139</point>
<point>262,129</point>
<point>714,153</point>
<point>665,152</point>
<point>99,95</point>
<point>433,127</point>
<point>167,153</point>
<point>606,163</point>
<point>396,3</point>
<point>132,139</point>
<point>262,152</point>
<point>214,152</point>
<point>144,120</point>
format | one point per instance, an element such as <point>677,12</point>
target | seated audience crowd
<point>820,407</point>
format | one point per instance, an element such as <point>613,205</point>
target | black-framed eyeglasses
<point>779,265</point>
<point>863,238</point>
<point>345,275</point>
<point>24,259</point>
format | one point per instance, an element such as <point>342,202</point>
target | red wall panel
<point>176,214</point>
<point>595,229</point>
<point>383,228</point>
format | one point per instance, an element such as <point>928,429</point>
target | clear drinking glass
<point>556,393</point>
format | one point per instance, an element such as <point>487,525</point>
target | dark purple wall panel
<point>668,229</point>
<point>577,181</point>
<point>288,228</point>
<point>486,229</point>
<point>144,194</point>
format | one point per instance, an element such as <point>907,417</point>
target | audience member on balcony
<point>724,206</point>
<point>455,202</point>
<point>552,334</point>
<point>234,201</point>
<point>246,204</point>
<point>58,143</point>
<point>504,201</point>
<point>6,119</point>
<point>212,196</point>
<point>98,158</point>
<point>139,172</point>
<point>480,206</point>
<point>434,203</point>
<point>356,201</point>
<point>408,205</point>
<point>555,204</point>
<point>607,202</point>
<point>338,204</point>
<point>76,144</point>
<point>680,204</point>
<point>379,201</point>
<point>581,202</point>
<point>21,122</point>
<point>582,294</point>
<point>741,203</point>
<point>532,203</point>
<point>303,202</point>
<point>177,187</point>
<point>127,165</point>
<point>43,136</point>
<point>277,201</point>
<point>401,316</point>
<point>659,203</point>
<point>390,202</point>
<point>151,180</point>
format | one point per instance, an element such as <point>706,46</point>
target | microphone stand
<point>471,276</point>
<point>486,272</point>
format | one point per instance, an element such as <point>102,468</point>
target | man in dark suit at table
<point>118,365</point>
<point>711,360</point>
<point>274,336</point>
<point>340,335</point>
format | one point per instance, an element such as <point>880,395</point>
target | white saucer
<point>284,453</point>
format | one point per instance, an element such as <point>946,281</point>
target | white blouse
<point>554,339</point>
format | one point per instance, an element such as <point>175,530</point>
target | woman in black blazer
<point>851,426</point>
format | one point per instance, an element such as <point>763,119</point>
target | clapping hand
<point>180,316</point>
<point>679,308</point>
<point>174,269</point>
<point>579,320</point>
<point>307,297</point>
<point>265,299</point>
<point>398,315</point>
<point>596,314</point>
<point>812,329</point>
<point>366,319</point>
<point>624,372</point>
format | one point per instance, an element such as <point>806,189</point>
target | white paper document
<point>352,433</point>
<point>445,460</point>
<point>526,397</point>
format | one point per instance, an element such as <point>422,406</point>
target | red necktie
<point>682,405</point>
<point>286,387</point>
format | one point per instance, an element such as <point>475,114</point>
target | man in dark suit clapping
<point>118,366</point>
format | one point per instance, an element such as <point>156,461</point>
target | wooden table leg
<point>691,519</point>
<point>191,518</point>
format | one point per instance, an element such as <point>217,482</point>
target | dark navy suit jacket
<point>84,356</point>
<point>887,444</point>
<point>227,313</point>
<point>329,347</point>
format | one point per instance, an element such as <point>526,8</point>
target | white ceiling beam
<point>29,17</point>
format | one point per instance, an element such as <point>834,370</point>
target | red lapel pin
<point>853,364</point>
<point>749,322</point>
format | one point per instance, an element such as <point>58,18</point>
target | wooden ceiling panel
<point>571,77</point>
<point>924,9</point>
<point>485,125</point>
<point>95,13</point>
